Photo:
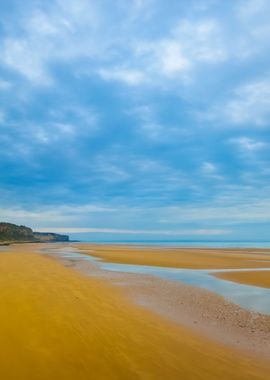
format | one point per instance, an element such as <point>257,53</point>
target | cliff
<point>49,236</point>
<point>12,233</point>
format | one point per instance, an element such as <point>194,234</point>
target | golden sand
<point>255,278</point>
<point>57,324</point>
<point>180,257</point>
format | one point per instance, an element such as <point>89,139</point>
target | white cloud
<point>247,9</point>
<point>5,85</point>
<point>62,214</point>
<point>171,58</point>
<point>129,76</point>
<point>196,232</point>
<point>206,219</point>
<point>234,210</point>
<point>53,132</point>
<point>84,118</point>
<point>208,168</point>
<point>202,40</point>
<point>2,116</point>
<point>177,56</point>
<point>109,168</point>
<point>250,104</point>
<point>59,33</point>
<point>140,4</point>
<point>152,129</point>
<point>135,10</point>
<point>22,57</point>
<point>63,124</point>
<point>68,31</point>
<point>247,144</point>
<point>150,61</point>
<point>210,171</point>
<point>252,34</point>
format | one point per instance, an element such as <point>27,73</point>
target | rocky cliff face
<point>49,236</point>
<point>11,232</point>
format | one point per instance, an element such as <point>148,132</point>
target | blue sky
<point>136,118</point>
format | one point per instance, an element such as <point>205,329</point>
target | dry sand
<point>256,278</point>
<point>56,323</point>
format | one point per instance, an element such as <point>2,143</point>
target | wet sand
<point>57,323</point>
<point>256,278</point>
<point>205,312</point>
<point>192,258</point>
<point>201,310</point>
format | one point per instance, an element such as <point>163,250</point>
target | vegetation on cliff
<point>11,232</point>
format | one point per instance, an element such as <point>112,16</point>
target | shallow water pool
<point>249,297</point>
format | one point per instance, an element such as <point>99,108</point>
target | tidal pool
<point>247,296</point>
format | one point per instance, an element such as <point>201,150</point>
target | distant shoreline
<point>234,244</point>
<point>223,245</point>
<point>5,243</point>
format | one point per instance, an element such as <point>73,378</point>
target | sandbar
<point>192,258</point>
<point>256,278</point>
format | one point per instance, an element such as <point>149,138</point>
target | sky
<point>136,119</point>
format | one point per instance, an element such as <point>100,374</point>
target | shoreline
<point>60,323</point>
<point>182,258</point>
<point>200,310</point>
<point>153,244</point>
<point>254,278</point>
<point>107,253</point>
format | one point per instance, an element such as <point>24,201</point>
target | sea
<point>187,243</point>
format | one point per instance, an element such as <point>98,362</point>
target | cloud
<point>75,230</point>
<point>18,55</point>
<point>232,211</point>
<point>247,105</point>
<point>157,112</point>
<point>170,58</point>
<point>202,40</point>
<point>49,34</point>
<point>208,168</point>
<point>250,104</point>
<point>128,76</point>
<point>85,119</point>
<point>151,125</point>
<point>210,171</point>
<point>247,9</point>
<point>247,144</point>
<point>5,85</point>
<point>2,116</point>
<point>110,170</point>
<point>69,32</point>
<point>62,214</point>
<point>188,44</point>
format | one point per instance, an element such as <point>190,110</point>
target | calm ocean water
<point>188,243</point>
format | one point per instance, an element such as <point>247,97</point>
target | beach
<point>63,319</point>
<point>255,278</point>
<point>193,258</point>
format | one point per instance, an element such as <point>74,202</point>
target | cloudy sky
<point>136,118</point>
